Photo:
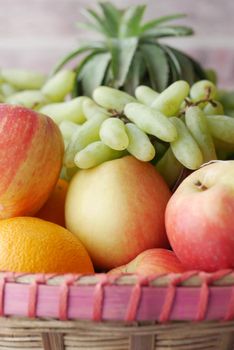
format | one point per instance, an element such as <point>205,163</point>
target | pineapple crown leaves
<point>129,52</point>
<point>115,23</point>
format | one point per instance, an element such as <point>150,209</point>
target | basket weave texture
<point>124,312</point>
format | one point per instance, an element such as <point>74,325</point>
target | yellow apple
<point>117,210</point>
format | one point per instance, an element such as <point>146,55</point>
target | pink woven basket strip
<point>205,292</point>
<point>64,296</point>
<point>99,294</point>
<point>230,309</point>
<point>203,302</point>
<point>98,297</point>
<point>109,301</point>
<point>81,301</point>
<point>135,298</point>
<point>33,293</point>
<point>8,276</point>
<point>170,295</point>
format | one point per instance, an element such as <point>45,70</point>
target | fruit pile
<point>147,179</point>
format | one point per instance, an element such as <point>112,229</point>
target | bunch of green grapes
<point>177,130</point>
<point>33,89</point>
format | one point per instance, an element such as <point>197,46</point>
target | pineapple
<point>130,53</point>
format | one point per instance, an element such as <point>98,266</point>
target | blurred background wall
<point>37,33</point>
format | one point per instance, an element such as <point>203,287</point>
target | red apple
<point>199,218</point>
<point>31,152</point>
<point>117,210</point>
<point>152,261</point>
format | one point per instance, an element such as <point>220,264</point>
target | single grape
<point>221,127</point>
<point>198,126</point>
<point>59,85</point>
<point>69,110</point>
<point>86,134</point>
<point>215,108</point>
<point>151,121</point>
<point>23,79</point>
<point>7,89</point>
<point>227,99</point>
<point>112,99</point>
<point>202,90</point>
<point>95,154</point>
<point>33,99</point>
<point>161,147</point>
<point>185,148</point>
<point>212,75</point>
<point>91,108</point>
<point>169,167</point>
<point>139,143</point>
<point>146,95</point>
<point>170,100</point>
<point>113,134</point>
<point>68,128</point>
<point>66,143</point>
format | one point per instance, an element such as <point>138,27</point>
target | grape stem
<point>207,99</point>
<point>120,115</point>
<point>195,104</point>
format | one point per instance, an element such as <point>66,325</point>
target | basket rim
<point>192,278</point>
<point>189,296</point>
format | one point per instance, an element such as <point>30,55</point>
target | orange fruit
<point>32,245</point>
<point>53,209</point>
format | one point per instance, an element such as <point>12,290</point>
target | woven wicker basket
<point>187,311</point>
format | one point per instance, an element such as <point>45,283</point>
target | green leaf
<point>80,50</point>
<point>229,113</point>
<point>95,45</point>
<point>93,72</point>
<point>174,65</point>
<point>157,65</point>
<point>173,76</point>
<point>92,16</point>
<point>186,66</point>
<point>112,17</point>
<point>173,60</point>
<point>88,25</point>
<point>97,21</point>
<point>227,99</point>
<point>131,20</point>
<point>135,74</point>
<point>151,24</point>
<point>122,52</point>
<point>199,71</point>
<point>160,32</point>
<point>108,79</point>
<point>77,89</point>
